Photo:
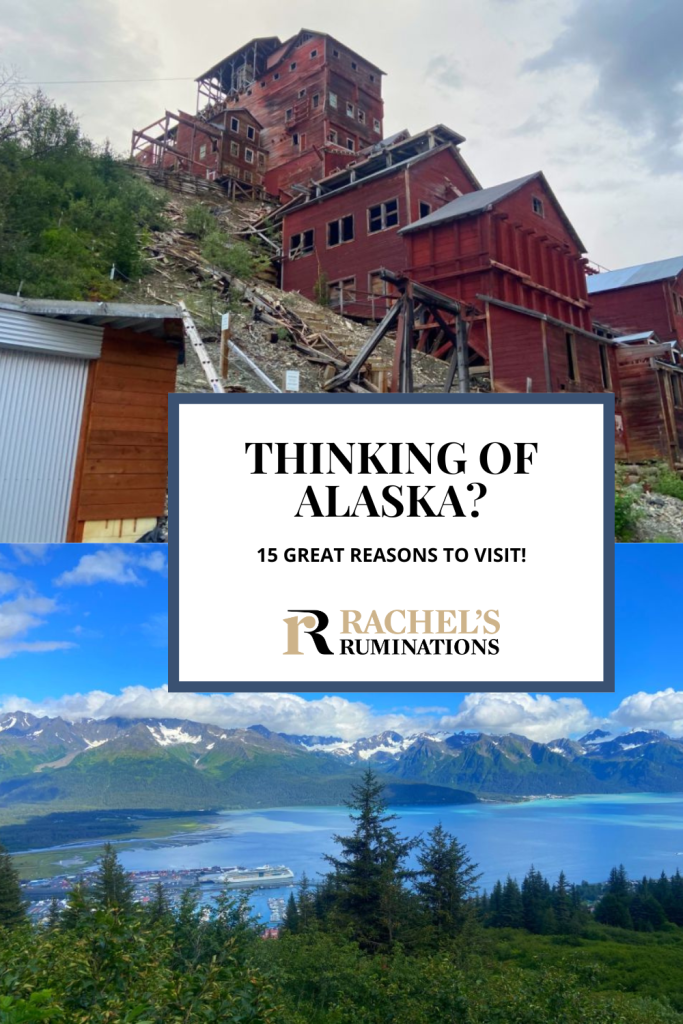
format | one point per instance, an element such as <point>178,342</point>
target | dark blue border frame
<point>604,685</point>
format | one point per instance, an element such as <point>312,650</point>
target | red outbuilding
<point>513,243</point>
<point>337,240</point>
<point>643,298</point>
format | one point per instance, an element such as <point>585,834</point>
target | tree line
<point>395,932</point>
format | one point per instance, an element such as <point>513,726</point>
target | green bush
<point>668,482</point>
<point>626,514</point>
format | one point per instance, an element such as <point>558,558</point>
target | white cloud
<point>113,565</point>
<point>31,554</point>
<point>8,583</point>
<point>537,716</point>
<point>661,710</point>
<point>19,617</point>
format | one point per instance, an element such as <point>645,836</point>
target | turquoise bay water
<point>584,836</point>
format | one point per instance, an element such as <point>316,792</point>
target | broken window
<point>350,110</point>
<point>332,135</point>
<point>425,209</point>
<point>383,216</point>
<point>354,65</point>
<point>351,144</point>
<point>604,368</point>
<point>301,244</point>
<point>262,159</point>
<point>335,53</point>
<point>571,357</point>
<point>361,116</point>
<point>333,100</point>
<point>234,149</point>
<point>339,231</point>
<point>202,152</point>
<point>234,124</point>
<point>372,78</point>
<point>295,140</point>
<point>251,132</point>
<point>378,127</point>
<point>289,114</point>
<point>314,53</point>
<point>276,76</point>
<point>248,176</point>
<point>342,292</point>
<point>302,93</point>
<point>249,155</point>
<point>292,66</point>
<point>315,101</point>
<point>538,207</point>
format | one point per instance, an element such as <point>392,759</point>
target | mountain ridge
<point>53,762</point>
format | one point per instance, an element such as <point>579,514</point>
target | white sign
<point>292,380</point>
<point>225,322</point>
<point>444,545</point>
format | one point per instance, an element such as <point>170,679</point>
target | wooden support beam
<point>366,351</point>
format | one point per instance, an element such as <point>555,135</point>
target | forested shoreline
<point>396,930</point>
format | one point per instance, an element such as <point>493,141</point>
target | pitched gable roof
<point>485,199</point>
<point>629,277</point>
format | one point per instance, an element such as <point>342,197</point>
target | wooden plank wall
<point>122,466</point>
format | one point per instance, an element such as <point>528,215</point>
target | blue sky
<point>83,632</point>
<point>80,617</point>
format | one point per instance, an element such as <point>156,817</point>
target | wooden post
<point>461,346</point>
<point>406,375</point>
<point>226,334</point>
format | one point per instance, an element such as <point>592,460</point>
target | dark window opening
<point>538,207</point>
<point>354,65</point>
<point>425,209</point>
<point>289,114</point>
<point>276,76</point>
<point>571,357</point>
<point>372,78</point>
<point>295,139</point>
<point>292,66</point>
<point>383,216</point>
<point>314,53</point>
<point>335,53</point>
<point>332,135</point>
<point>339,231</point>
<point>315,101</point>
<point>214,145</point>
<point>302,243</point>
<point>351,144</point>
<point>234,124</point>
<point>251,132</point>
<point>604,368</point>
<point>302,93</point>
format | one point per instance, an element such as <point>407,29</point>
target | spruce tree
<point>446,881</point>
<point>291,921</point>
<point>12,906</point>
<point>78,908</point>
<point>511,912</point>
<point>112,888</point>
<point>370,873</point>
<point>159,907</point>
<point>562,904</point>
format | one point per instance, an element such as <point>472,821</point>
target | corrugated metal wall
<point>41,404</point>
<point>42,334</point>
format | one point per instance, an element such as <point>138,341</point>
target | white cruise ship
<point>248,878</point>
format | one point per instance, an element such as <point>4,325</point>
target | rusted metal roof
<point>628,277</point>
<point>118,315</point>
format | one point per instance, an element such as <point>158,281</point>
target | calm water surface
<point>584,836</point>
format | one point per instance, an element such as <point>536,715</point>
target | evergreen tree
<point>617,883</point>
<point>673,900</point>
<point>305,904</point>
<point>613,911</point>
<point>112,888</point>
<point>447,880</point>
<point>78,908</point>
<point>159,907</point>
<point>370,872</point>
<point>562,904</point>
<point>12,907</point>
<point>511,911</point>
<point>535,901</point>
<point>291,922</point>
<point>54,913</point>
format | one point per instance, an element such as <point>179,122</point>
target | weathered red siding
<point>369,252</point>
<point>644,307</point>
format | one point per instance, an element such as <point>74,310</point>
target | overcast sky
<point>590,91</point>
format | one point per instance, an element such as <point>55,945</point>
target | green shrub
<point>668,482</point>
<point>626,514</point>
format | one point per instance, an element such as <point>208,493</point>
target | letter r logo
<point>314,622</point>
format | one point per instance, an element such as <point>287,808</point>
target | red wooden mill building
<point>301,122</point>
